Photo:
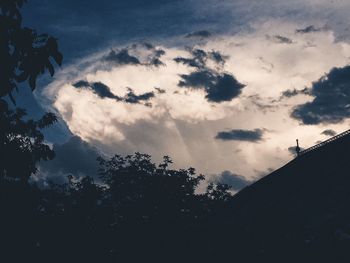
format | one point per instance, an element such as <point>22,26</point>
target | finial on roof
<point>297,149</point>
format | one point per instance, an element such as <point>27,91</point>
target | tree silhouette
<point>21,143</point>
<point>155,209</point>
<point>139,207</point>
<point>25,55</point>
<point>141,191</point>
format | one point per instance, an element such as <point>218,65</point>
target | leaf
<point>50,68</point>
<point>22,77</point>
<point>32,81</point>
<point>12,98</point>
<point>57,56</point>
<point>47,120</point>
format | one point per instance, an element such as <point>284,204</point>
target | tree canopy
<point>25,55</point>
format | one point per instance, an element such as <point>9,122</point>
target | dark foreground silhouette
<point>147,212</point>
<point>299,213</point>
<point>143,212</point>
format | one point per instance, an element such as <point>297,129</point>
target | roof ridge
<point>321,144</point>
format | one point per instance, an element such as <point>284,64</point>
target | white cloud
<point>183,124</point>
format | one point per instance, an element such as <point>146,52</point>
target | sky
<point>223,86</point>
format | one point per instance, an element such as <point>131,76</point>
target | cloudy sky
<point>223,86</point>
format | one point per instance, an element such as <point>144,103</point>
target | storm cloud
<point>122,57</point>
<point>130,55</point>
<point>153,58</point>
<point>131,97</point>
<point>331,99</point>
<point>219,86</point>
<point>98,88</point>
<point>217,57</point>
<point>75,157</point>
<point>308,29</point>
<point>198,59</point>
<point>237,182</point>
<point>294,92</point>
<point>241,135</point>
<point>281,39</point>
<point>199,34</point>
<point>103,91</point>
<point>329,132</point>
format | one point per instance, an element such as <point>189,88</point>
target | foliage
<point>24,56</point>
<point>24,53</point>
<point>142,191</point>
<point>22,143</point>
<point>138,205</point>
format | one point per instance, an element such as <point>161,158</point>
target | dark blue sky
<point>85,26</point>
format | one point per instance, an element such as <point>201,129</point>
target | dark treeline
<point>141,211</point>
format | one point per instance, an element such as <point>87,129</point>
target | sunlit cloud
<point>274,62</point>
